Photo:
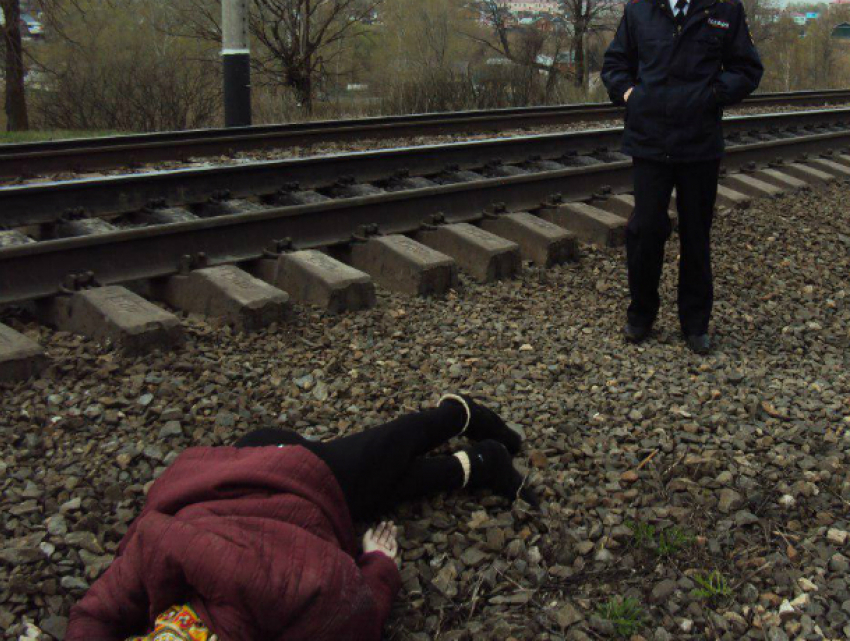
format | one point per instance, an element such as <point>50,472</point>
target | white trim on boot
<point>459,399</point>
<point>463,458</point>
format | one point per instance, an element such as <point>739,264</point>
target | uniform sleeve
<point>383,578</point>
<point>619,67</point>
<point>742,67</point>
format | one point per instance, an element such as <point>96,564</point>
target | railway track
<point>132,150</point>
<point>280,181</point>
<point>240,242</point>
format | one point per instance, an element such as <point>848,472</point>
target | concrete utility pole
<point>10,32</point>
<point>236,56</point>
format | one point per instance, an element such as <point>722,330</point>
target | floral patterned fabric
<point>179,623</point>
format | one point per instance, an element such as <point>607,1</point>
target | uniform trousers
<point>383,466</point>
<point>649,227</point>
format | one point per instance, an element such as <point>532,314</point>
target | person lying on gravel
<point>256,542</point>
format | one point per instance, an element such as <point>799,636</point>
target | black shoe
<point>635,334</point>
<point>699,343</point>
<point>491,467</point>
<point>484,424</point>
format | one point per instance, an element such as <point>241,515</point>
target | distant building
<point>841,31</point>
<point>32,9</point>
<point>564,62</point>
<point>548,24</point>
<point>31,26</point>
<point>530,6</point>
<point>772,14</point>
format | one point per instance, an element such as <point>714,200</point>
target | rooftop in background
<point>841,31</point>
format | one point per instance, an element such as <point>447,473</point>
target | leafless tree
<point>17,58</point>
<point>761,18</point>
<point>586,18</point>
<point>300,39</point>
<point>523,46</point>
<point>16,103</point>
<point>106,65</point>
<point>572,25</point>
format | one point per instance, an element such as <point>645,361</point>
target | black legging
<point>382,466</point>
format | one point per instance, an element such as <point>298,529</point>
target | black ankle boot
<point>491,467</point>
<point>484,424</point>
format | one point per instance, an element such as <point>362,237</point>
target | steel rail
<point>37,270</point>
<point>49,202</point>
<point>784,98</point>
<point>105,152</point>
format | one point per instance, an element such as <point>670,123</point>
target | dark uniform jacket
<point>682,79</point>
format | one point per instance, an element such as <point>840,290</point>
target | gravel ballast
<point>659,471</point>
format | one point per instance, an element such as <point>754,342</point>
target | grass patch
<point>664,543</point>
<point>713,586</point>
<point>15,137</point>
<point>626,615</point>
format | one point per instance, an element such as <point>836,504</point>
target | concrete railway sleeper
<point>242,282</point>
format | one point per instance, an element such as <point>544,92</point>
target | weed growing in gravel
<point>625,614</point>
<point>671,540</point>
<point>714,586</point>
<point>643,533</point>
<point>667,542</point>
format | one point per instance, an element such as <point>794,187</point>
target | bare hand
<point>382,539</point>
<point>627,94</point>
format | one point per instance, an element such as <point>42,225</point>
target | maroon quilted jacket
<point>260,542</point>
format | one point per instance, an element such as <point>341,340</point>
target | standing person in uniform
<point>675,64</point>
